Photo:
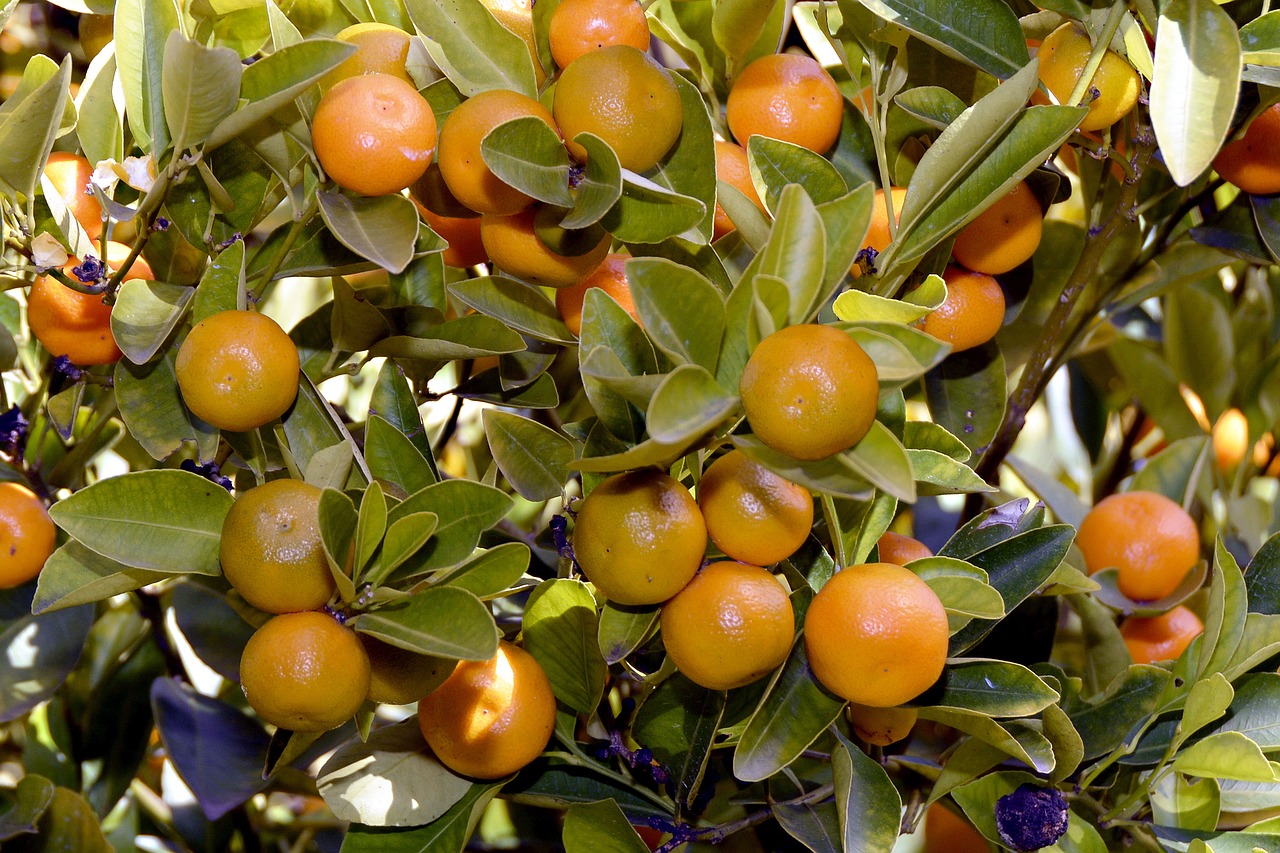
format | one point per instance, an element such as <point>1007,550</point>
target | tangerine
<point>1151,639</point>
<point>611,277</point>
<point>1230,439</point>
<point>881,726</point>
<point>514,244</point>
<point>1252,162</point>
<point>581,26</point>
<point>753,515</point>
<point>947,832</point>
<point>786,96</point>
<point>70,173</point>
<point>1004,235</point>
<point>1115,87</point>
<point>27,535</point>
<point>733,167</point>
<point>1152,542</point>
<point>972,313</point>
<point>380,49</point>
<point>900,550</point>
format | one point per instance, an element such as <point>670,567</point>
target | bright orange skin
<point>1063,55</point>
<point>639,537</point>
<point>27,535</point>
<point>271,550</point>
<point>380,49</point>
<point>947,832</point>
<point>972,313</point>
<point>900,550</point>
<point>1151,639</point>
<point>238,370</point>
<point>876,634</point>
<point>881,726</point>
<point>513,245</point>
<point>462,233</point>
<point>1230,439</point>
<point>611,277</point>
<point>374,134</point>
<point>490,718</point>
<point>753,515</point>
<point>731,625</point>
<point>304,672</point>
<point>878,236</point>
<point>581,26</point>
<point>1151,540</point>
<point>69,174</point>
<point>78,325</point>
<point>809,391</point>
<point>734,169</point>
<point>1004,235</point>
<point>461,165</point>
<point>786,96</point>
<point>1252,162</point>
<point>400,677</point>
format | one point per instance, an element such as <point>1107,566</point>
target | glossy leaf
<point>528,155</point>
<point>200,86</point>
<point>869,804</point>
<point>602,826</point>
<point>678,721</point>
<point>560,626</point>
<point>145,315</point>
<point>985,34</point>
<point>446,622</point>
<point>473,50</point>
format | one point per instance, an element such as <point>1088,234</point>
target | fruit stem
<point>1100,46</point>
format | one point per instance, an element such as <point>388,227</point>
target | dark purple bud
<point>63,365</point>
<point>90,270</point>
<point>1031,817</point>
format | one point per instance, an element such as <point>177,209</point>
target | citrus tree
<point>831,425</point>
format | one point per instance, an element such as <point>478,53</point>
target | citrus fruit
<point>734,169</point>
<point>517,16</point>
<point>900,550</point>
<point>809,391</point>
<point>581,26</point>
<point>881,726</point>
<point>373,134</point>
<point>78,325</point>
<point>752,514</point>
<point>624,97</point>
<point>1115,86</point>
<point>1230,439</point>
<point>611,277</point>
<point>238,370</point>
<point>464,171</point>
<point>271,549</point>
<point>27,535</point>
<point>1151,639</point>
<point>972,312</point>
<point>462,233</point>
<point>1004,235</point>
<point>1252,162</point>
<point>400,677</point>
<point>947,832</point>
<point>380,49</point>
<point>304,672</point>
<point>878,236</point>
<point>639,537</point>
<point>876,634</point>
<point>515,246</point>
<point>1152,542</point>
<point>490,718</point>
<point>70,174</point>
<point>730,625</point>
<point>786,96</point>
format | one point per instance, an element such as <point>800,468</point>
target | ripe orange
<point>517,16</point>
<point>611,277</point>
<point>730,625</point>
<point>881,726</point>
<point>1151,639</point>
<point>809,391</point>
<point>581,26</point>
<point>876,634</point>
<point>1230,439</point>
<point>1151,540</point>
<point>490,718</point>
<point>304,672</point>
<point>462,233</point>
<point>947,832</point>
<point>639,537</point>
<point>238,370</point>
<point>374,134</point>
<point>271,549</point>
<point>753,515</point>
<point>400,677</point>
<point>734,169</point>
<point>1252,162</point>
<point>69,174</point>
<point>461,165</point>
<point>27,535</point>
<point>899,549</point>
<point>972,313</point>
<point>78,325</point>
<point>1063,55</point>
<point>786,96</point>
<point>381,49</point>
<point>878,235</point>
<point>1004,235</point>
<point>624,97</point>
<point>515,248</point>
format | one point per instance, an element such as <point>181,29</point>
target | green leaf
<point>311,425</point>
<point>490,572</point>
<point>736,25</point>
<point>882,460</point>
<point>682,311</point>
<point>145,315</point>
<point>624,629</point>
<point>560,626</point>
<point>1198,345</point>
<point>27,134</point>
<point>1013,738</point>
<point>856,306</point>
<point>222,286</point>
<point>40,652</point>
<point>533,458</point>
<point>684,169</point>
<point>449,833</point>
<point>152,408</point>
<point>528,155</point>
<point>466,337</point>
<point>446,621</point>
<point>1195,85</point>
<point>591,827</point>
<point>201,86</point>
<point>371,524</point>
<point>600,186</point>
<point>648,212</point>
<point>473,50</point>
<point>1225,614</point>
<point>984,33</point>
<point>404,539</point>
<point>141,29</point>
<point>936,473</point>
<point>465,509</point>
<point>966,395</point>
<point>31,797</point>
<point>776,164</point>
<point>75,575</point>
<point>522,307</point>
<point>69,823</point>
<point>1208,700</point>
<point>869,805</point>
<point>393,400</point>
<point>383,229</point>
<point>962,587</point>
<point>795,253</point>
<point>994,688</point>
<point>1104,723</point>
<point>1227,755</point>
<point>1178,802</point>
<point>835,475</point>
<point>687,405</point>
<point>678,721</point>
<point>393,457</point>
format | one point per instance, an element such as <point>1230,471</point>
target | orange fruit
<point>514,246</point>
<point>380,49</point>
<point>400,677</point>
<point>238,370</point>
<point>624,97</point>
<point>731,625</point>
<point>972,312</point>
<point>1063,55</point>
<point>611,277</point>
<point>1151,639</point>
<point>1151,540</point>
<point>809,391</point>
<point>373,134</point>
<point>734,169</point>
<point>1252,162</point>
<point>27,535</point>
<point>876,634</point>
<point>1004,235</point>
<point>271,549</point>
<point>639,537</point>
<point>878,236</point>
<point>753,515</point>
<point>517,16</point>
<point>581,26</point>
<point>78,325</point>
<point>304,672</point>
<point>881,726</point>
<point>1230,439</point>
<point>947,832</point>
<point>70,174</point>
<point>899,549</point>
<point>787,96</point>
<point>490,718</point>
<point>461,165</point>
